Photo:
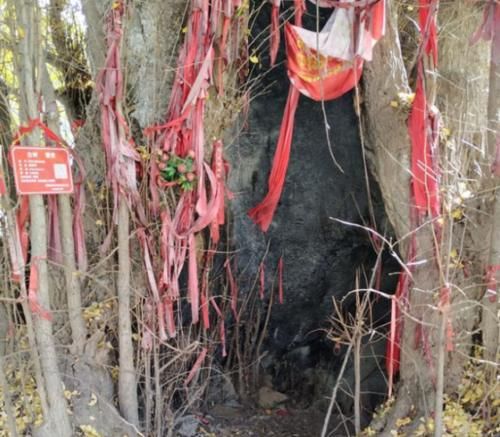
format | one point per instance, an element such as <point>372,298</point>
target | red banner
<point>317,76</point>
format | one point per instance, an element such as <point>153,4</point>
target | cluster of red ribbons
<point>187,239</point>
<point>423,129</point>
<point>121,156</point>
<point>204,51</point>
<point>19,243</point>
<point>322,66</point>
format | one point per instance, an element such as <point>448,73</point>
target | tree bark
<point>491,304</point>
<point>390,150</point>
<point>127,382</point>
<point>388,145</point>
<point>72,281</point>
<point>59,424</point>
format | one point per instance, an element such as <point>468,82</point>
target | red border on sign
<point>42,165</point>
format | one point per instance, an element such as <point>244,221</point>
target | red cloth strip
<point>263,213</point>
<point>490,29</point>
<point>34,305</point>
<point>393,350</point>
<point>193,287</point>
<point>492,282</point>
<point>30,127</point>
<point>23,217</point>
<point>275,32</point>
<point>428,28</point>
<point>425,180</point>
<point>3,187</point>
<point>222,328</point>
<point>196,366</point>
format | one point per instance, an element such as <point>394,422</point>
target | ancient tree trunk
<point>386,128</point>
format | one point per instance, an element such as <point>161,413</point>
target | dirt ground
<point>226,421</point>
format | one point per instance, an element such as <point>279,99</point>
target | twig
<point>334,392</point>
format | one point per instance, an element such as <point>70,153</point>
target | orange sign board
<point>42,170</point>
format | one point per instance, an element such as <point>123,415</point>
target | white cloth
<point>336,38</point>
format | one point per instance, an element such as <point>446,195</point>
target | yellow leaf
<point>184,29</point>
<point>369,432</point>
<point>457,214</point>
<point>89,431</point>
<point>410,8</point>
<point>394,104</point>
<point>93,400</point>
<point>254,59</point>
<point>403,422</point>
<point>143,152</point>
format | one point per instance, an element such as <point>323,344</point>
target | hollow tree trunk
<point>389,146</point>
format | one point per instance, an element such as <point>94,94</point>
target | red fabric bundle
<point>317,76</point>
<point>425,178</point>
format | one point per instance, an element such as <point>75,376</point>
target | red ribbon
<point>428,27</point>
<point>3,187</point>
<point>222,329</point>
<point>275,31</point>
<point>492,282</point>
<point>196,366</point>
<point>35,306</point>
<point>31,126</point>
<point>424,174</point>
<point>490,29</point>
<point>263,213</point>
